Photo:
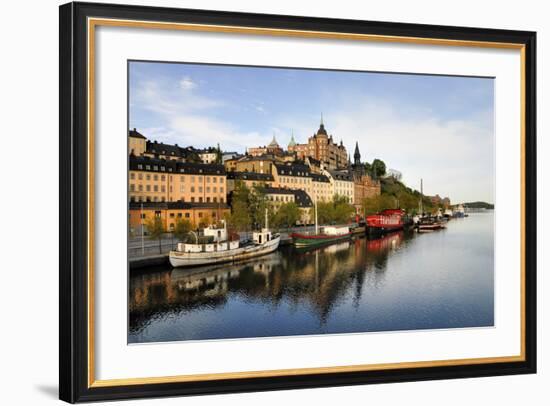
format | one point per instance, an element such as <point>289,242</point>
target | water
<point>404,281</point>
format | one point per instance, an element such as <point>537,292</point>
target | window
<point>221,189</point>
<point>215,199</point>
<point>192,179</point>
<point>200,214</point>
<point>142,216</point>
<point>172,215</point>
<point>192,189</point>
<point>163,178</point>
<point>187,215</point>
<point>182,189</point>
<point>207,189</point>
<point>200,199</point>
<point>214,179</point>
<point>155,177</point>
<point>208,179</point>
<point>156,188</point>
<point>132,187</point>
<point>215,189</point>
<point>148,188</point>
<point>208,200</point>
<point>140,176</point>
<point>140,188</point>
<point>140,166</point>
<point>192,200</point>
<point>163,188</point>
<point>179,215</point>
<point>157,213</point>
<point>200,189</point>
<point>147,177</point>
<point>132,176</point>
<point>221,199</point>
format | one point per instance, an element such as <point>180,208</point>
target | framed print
<point>257,202</point>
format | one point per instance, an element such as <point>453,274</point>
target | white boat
<point>222,250</point>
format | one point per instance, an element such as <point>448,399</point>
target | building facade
<point>161,180</point>
<point>321,147</point>
<point>169,212</point>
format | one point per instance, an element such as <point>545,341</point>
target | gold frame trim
<point>94,22</point>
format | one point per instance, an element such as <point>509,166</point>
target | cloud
<point>187,84</point>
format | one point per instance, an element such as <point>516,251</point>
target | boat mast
<point>316,226</point>
<point>266,220</point>
<point>421,197</point>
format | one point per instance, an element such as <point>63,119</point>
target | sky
<point>438,128</point>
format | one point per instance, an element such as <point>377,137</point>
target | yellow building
<point>137,143</point>
<point>279,196</point>
<point>170,212</point>
<point>161,180</point>
<point>341,183</point>
<point>293,176</point>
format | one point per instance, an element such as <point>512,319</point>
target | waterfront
<point>403,281</point>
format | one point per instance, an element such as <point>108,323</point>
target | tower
<point>357,155</point>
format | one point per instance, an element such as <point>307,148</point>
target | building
<point>250,179</point>
<point>208,155</point>
<point>292,176</point>
<point>230,155</point>
<point>272,148</point>
<point>364,186</point>
<point>169,212</point>
<point>342,184</point>
<point>137,143</point>
<point>279,196</point>
<point>321,190</point>
<point>162,180</point>
<point>321,147</point>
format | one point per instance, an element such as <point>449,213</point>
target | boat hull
<point>379,230</point>
<point>188,259</point>
<point>304,240</point>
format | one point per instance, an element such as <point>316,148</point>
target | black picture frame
<point>74,199</point>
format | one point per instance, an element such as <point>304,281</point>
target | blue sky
<point>438,128</point>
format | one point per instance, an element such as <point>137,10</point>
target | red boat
<point>385,221</point>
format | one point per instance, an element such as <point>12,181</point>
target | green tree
<point>287,215</point>
<point>182,228</point>
<point>205,221</point>
<point>219,159</point>
<point>257,205</point>
<point>378,168</point>
<point>240,218</point>
<point>155,228</point>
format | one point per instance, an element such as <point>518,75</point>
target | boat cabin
<point>261,237</point>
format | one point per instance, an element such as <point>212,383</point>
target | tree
<point>205,221</point>
<point>257,204</point>
<point>239,219</point>
<point>219,159</point>
<point>378,168</point>
<point>287,215</point>
<point>155,227</point>
<point>182,228</point>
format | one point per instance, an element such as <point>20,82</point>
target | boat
<point>459,212</point>
<point>386,221</point>
<point>325,235</point>
<point>321,235</point>
<point>219,249</point>
<point>428,224</point>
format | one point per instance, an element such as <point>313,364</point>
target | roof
<point>179,205</point>
<point>319,178</point>
<point>341,175</point>
<point>292,169</point>
<point>301,198</point>
<point>273,143</point>
<point>267,177</point>
<point>144,163</point>
<point>159,148</point>
<point>135,134</point>
<point>322,130</point>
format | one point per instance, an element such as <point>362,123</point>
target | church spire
<point>357,154</point>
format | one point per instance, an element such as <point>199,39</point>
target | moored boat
<point>219,249</point>
<point>427,224</point>
<point>386,221</point>
<point>325,235</point>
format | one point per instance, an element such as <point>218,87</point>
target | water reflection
<point>337,288</point>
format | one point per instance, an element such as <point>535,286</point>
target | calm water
<point>404,281</point>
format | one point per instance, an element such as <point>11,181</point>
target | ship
<point>386,221</point>
<point>321,235</point>
<point>324,235</point>
<point>219,249</point>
